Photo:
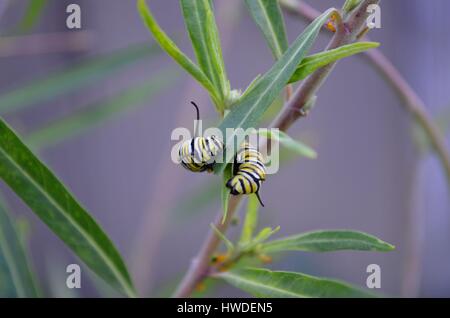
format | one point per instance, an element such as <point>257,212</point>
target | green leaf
<point>267,15</point>
<point>313,62</point>
<point>251,219</point>
<point>16,279</point>
<point>82,74</point>
<point>171,49</point>
<point>227,174</point>
<point>202,29</point>
<point>264,234</point>
<point>33,12</point>
<point>276,284</point>
<point>349,5</point>
<point>327,241</point>
<point>251,85</point>
<point>291,144</point>
<point>288,157</point>
<point>247,112</point>
<point>259,238</point>
<point>228,244</point>
<point>94,115</point>
<point>38,187</point>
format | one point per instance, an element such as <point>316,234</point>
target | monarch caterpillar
<point>249,171</point>
<point>198,154</point>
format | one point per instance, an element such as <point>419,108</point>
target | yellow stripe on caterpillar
<point>198,154</point>
<point>249,171</point>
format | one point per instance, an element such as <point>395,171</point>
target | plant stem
<point>346,32</point>
<point>156,216</point>
<point>200,268</point>
<point>413,104</point>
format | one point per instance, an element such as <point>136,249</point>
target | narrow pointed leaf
<point>70,79</point>
<point>227,174</point>
<point>49,199</point>
<point>202,29</point>
<point>276,284</point>
<point>349,5</point>
<point>313,62</point>
<point>291,144</point>
<point>251,85</point>
<point>222,237</point>
<point>265,234</point>
<point>247,112</point>
<point>16,279</point>
<point>32,13</point>
<point>327,241</point>
<point>171,48</point>
<point>94,115</point>
<point>267,15</point>
<point>251,220</point>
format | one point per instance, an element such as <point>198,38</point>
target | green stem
<point>413,104</point>
<point>200,266</point>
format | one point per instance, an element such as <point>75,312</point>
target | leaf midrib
<point>305,41</point>
<point>316,241</point>
<point>208,59</point>
<point>262,286</point>
<point>277,44</point>
<point>314,60</point>
<point>262,96</point>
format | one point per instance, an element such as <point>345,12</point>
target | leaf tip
<point>389,247</point>
<point>372,44</point>
<point>313,154</point>
<point>384,246</point>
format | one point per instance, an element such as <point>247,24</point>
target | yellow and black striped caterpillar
<point>249,171</point>
<point>198,154</point>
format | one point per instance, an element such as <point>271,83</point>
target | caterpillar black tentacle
<point>198,154</point>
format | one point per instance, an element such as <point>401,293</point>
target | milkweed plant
<point>295,76</point>
<point>241,262</point>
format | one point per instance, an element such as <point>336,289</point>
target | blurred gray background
<point>369,175</point>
